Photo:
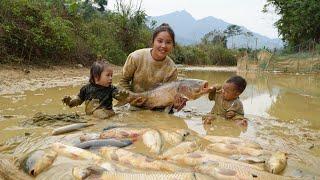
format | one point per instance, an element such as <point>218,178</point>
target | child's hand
<point>207,119</point>
<point>242,122</point>
<point>66,100</point>
<point>230,114</point>
<point>211,89</point>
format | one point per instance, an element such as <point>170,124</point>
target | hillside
<point>190,31</point>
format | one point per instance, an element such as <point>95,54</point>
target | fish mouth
<point>205,87</point>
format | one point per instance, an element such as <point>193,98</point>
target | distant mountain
<point>190,31</point>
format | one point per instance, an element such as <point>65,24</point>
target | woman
<point>148,68</point>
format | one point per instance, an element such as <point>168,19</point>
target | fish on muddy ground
<point>74,152</point>
<point>200,157</point>
<point>222,170</point>
<point>169,95</point>
<point>232,140</point>
<point>89,136</point>
<point>235,149</point>
<point>8,171</point>
<point>249,159</point>
<point>38,161</point>
<point>173,137</point>
<point>152,139</point>
<point>276,163</point>
<point>182,148</point>
<point>137,160</point>
<point>70,128</point>
<point>123,132</point>
<point>103,142</point>
<point>145,176</point>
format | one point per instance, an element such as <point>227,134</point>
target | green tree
<point>233,30</point>
<point>215,37</point>
<point>299,21</point>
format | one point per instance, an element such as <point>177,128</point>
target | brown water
<point>283,112</point>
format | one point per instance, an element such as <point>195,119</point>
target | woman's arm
<point>128,71</point>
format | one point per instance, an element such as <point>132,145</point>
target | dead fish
<point>147,176</point>
<point>103,142</point>
<point>38,161</point>
<point>200,157</point>
<point>234,149</point>
<point>232,140</point>
<point>171,137</point>
<point>74,152</point>
<point>182,148</point>
<point>277,162</point>
<point>9,171</point>
<point>249,159</point>
<point>122,132</point>
<point>69,128</point>
<point>89,136</point>
<point>80,173</point>
<point>168,94</point>
<point>137,160</point>
<point>222,170</point>
<point>152,139</point>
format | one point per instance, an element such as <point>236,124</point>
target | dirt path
<point>17,79</point>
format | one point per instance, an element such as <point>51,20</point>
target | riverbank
<point>14,79</point>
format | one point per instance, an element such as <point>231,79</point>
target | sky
<point>245,13</point>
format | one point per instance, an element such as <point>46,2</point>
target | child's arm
<point>72,102</point>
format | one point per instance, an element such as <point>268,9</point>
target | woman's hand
<point>230,114</point>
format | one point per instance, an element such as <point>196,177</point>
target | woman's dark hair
<point>239,81</point>
<point>96,70</point>
<point>164,27</point>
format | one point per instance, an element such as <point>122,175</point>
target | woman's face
<point>162,46</point>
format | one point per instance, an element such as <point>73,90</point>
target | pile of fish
<point>172,155</point>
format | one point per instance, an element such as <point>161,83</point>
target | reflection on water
<point>293,100</point>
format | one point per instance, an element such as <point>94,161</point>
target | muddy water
<point>283,112</point>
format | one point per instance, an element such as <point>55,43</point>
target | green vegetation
<point>299,22</point>
<point>55,31</point>
<point>47,32</point>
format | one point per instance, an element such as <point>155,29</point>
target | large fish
<point>200,157</point>
<point>222,170</point>
<point>9,171</point>
<point>70,128</point>
<point>206,163</point>
<point>104,142</point>
<point>235,149</point>
<point>152,139</point>
<point>137,160</point>
<point>169,95</point>
<point>232,140</point>
<point>122,132</point>
<point>74,152</point>
<point>39,161</point>
<point>172,137</point>
<point>147,176</point>
<point>277,162</point>
<point>182,148</point>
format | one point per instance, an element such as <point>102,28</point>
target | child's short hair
<point>239,81</point>
<point>96,69</point>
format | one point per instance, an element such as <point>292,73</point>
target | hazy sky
<point>241,12</point>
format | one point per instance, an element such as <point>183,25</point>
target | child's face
<point>105,78</point>
<point>162,45</point>
<point>229,91</point>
